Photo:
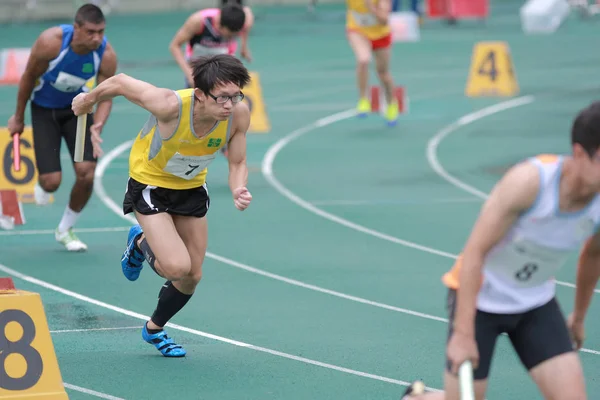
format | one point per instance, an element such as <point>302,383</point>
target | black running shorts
<point>49,126</point>
<point>148,200</point>
<point>536,335</point>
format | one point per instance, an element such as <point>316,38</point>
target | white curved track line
<point>434,142</point>
<point>196,332</point>
<point>110,203</point>
<point>271,154</point>
<point>267,171</point>
<point>273,151</point>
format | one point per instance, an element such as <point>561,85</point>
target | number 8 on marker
<point>12,347</point>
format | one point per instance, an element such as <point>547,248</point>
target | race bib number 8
<point>526,272</point>
<point>188,167</point>
<point>526,264</point>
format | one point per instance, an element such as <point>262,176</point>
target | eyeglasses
<point>223,99</point>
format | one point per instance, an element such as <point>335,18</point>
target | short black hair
<point>210,71</point>
<point>224,2</point>
<point>233,17</point>
<point>89,13</point>
<point>586,128</point>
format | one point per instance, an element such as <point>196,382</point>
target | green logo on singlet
<point>213,142</point>
<point>87,68</point>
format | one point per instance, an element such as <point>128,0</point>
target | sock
<point>68,220</point>
<point>170,302</point>
<point>152,331</point>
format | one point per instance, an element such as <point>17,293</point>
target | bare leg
<point>84,185</point>
<point>175,246</point>
<point>194,232</point>
<point>169,258</point>
<point>80,194</point>
<point>382,63</point>
<point>47,183</point>
<point>560,378</point>
<point>50,182</point>
<point>362,51</point>
<point>178,245</point>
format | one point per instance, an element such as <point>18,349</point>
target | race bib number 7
<point>188,167</point>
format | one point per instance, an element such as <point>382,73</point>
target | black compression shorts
<point>49,126</point>
<point>536,335</point>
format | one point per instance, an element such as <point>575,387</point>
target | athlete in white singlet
<point>541,212</point>
<point>212,31</point>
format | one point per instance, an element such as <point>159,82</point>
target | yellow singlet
<point>179,162</point>
<point>359,19</point>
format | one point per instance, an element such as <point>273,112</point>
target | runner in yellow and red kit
<point>369,33</point>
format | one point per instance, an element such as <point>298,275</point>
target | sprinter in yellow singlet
<point>167,184</point>
<point>369,33</point>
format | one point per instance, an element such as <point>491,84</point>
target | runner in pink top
<point>212,31</point>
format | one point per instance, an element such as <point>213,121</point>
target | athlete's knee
<point>363,60</point>
<point>190,281</point>
<point>195,275</point>
<point>84,174</point>
<point>50,182</point>
<point>176,268</point>
<point>560,377</point>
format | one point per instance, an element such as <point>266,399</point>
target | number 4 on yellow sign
<point>492,72</point>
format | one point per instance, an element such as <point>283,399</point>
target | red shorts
<point>377,44</point>
<point>382,43</point>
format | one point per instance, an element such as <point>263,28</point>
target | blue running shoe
<point>163,343</point>
<point>132,261</point>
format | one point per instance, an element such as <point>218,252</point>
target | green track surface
<point>358,170</point>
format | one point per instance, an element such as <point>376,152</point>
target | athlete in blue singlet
<point>64,61</point>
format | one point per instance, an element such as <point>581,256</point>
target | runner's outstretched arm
<point>162,103</point>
